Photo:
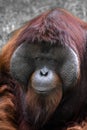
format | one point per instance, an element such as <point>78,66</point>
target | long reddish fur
<point>70,30</point>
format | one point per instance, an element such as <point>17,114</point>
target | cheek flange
<point>70,71</point>
<point>21,66</point>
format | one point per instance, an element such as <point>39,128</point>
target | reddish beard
<point>40,106</point>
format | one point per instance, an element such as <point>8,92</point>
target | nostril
<point>44,72</point>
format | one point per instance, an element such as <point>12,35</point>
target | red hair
<point>55,26</point>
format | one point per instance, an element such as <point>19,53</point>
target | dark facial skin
<point>45,72</point>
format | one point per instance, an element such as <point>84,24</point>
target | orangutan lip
<point>44,91</point>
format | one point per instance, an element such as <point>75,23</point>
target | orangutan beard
<point>40,106</point>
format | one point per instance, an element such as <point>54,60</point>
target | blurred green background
<point>13,13</point>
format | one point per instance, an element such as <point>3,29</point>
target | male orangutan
<point>43,75</point>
